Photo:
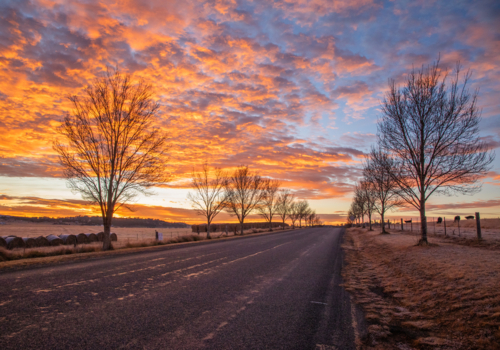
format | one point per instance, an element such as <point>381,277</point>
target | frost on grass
<point>444,296</point>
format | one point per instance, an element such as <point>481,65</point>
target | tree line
<point>243,192</point>
<point>427,143</point>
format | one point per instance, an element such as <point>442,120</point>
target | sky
<point>290,88</point>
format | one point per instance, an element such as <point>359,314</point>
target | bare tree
<point>270,201</point>
<point>209,197</point>
<point>431,132</point>
<point>294,212</point>
<point>365,194</point>
<point>285,199</point>
<point>303,210</point>
<point>359,205</point>
<point>317,220</point>
<point>383,186</point>
<point>351,217</point>
<point>244,193</point>
<point>311,218</point>
<point>112,152</point>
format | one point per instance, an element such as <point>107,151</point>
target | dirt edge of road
<point>444,296</point>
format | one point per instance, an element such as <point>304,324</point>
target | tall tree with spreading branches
<point>384,186</point>
<point>359,205</point>
<point>303,210</point>
<point>270,205</point>
<point>244,193</point>
<point>365,193</point>
<point>430,129</point>
<point>294,212</point>
<point>285,200</point>
<point>111,150</point>
<point>209,197</point>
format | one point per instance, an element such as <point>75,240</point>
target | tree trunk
<point>423,224</point>
<point>383,222</point>
<point>370,220</point>
<point>106,240</point>
<point>208,230</point>
<point>241,224</point>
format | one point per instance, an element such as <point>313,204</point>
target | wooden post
<point>478,227</point>
<point>402,228</point>
<point>434,221</point>
<point>444,222</point>
<point>411,225</point>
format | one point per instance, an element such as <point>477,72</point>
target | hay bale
<point>100,236</point>
<point>68,239</point>
<point>29,242</point>
<point>113,237</point>
<point>92,237</point>
<point>3,244</point>
<point>13,242</point>
<point>54,240</point>
<point>82,238</point>
<point>42,242</point>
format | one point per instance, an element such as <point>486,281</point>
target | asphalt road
<point>278,291</point>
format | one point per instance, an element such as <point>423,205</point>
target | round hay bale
<point>3,243</point>
<point>100,236</point>
<point>54,240</point>
<point>92,237</point>
<point>14,242</point>
<point>68,239</point>
<point>42,242</point>
<point>81,238</point>
<point>113,237</point>
<point>29,242</point>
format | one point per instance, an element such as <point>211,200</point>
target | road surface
<point>277,291</point>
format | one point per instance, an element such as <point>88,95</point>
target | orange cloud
<point>240,82</point>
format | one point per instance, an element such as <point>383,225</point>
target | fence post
<point>411,225</point>
<point>444,221</point>
<point>402,228</point>
<point>478,226</point>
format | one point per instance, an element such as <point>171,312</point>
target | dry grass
<point>444,296</point>
<point>21,253</point>
<point>124,234</point>
<point>23,229</point>
<point>6,255</point>
<point>490,229</point>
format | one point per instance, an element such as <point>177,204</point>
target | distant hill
<point>96,221</point>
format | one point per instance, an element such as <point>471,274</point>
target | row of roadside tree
<point>243,192</point>
<point>428,143</point>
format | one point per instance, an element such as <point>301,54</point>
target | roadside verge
<point>20,263</point>
<point>443,296</point>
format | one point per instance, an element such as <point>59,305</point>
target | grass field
<point>124,233</point>
<point>490,228</point>
<point>127,236</point>
<point>442,296</point>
